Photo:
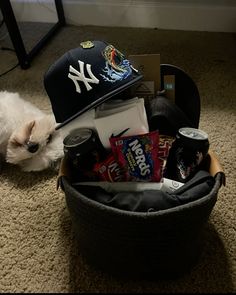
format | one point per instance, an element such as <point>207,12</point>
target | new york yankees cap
<point>86,76</point>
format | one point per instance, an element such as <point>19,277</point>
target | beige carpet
<point>38,252</point>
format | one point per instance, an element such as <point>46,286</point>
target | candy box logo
<point>114,171</point>
<point>140,158</point>
<point>137,155</point>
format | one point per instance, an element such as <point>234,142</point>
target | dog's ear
<point>22,135</point>
<point>28,128</point>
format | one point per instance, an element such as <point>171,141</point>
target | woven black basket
<point>166,243</point>
<point>162,244</point>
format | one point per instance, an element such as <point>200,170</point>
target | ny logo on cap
<point>79,76</point>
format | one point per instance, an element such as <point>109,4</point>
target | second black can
<point>187,153</point>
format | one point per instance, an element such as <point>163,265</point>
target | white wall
<point>199,15</point>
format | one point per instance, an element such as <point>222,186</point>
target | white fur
<point>21,123</point>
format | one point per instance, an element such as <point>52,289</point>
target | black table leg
<point>25,58</point>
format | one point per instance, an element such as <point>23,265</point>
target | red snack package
<point>109,170</point>
<point>137,156</point>
<point>165,143</point>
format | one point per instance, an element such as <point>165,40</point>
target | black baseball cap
<point>86,76</point>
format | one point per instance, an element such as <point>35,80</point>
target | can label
<point>187,162</point>
<point>189,149</point>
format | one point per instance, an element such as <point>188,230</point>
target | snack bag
<point>109,170</point>
<point>137,156</point>
<point>165,143</point>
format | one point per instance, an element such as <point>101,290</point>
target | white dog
<point>27,135</point>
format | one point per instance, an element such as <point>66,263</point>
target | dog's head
<point>34,139</point>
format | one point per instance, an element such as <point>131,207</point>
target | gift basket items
<point>139,177</point>
<point>113,138</point>
<point>108,154</point>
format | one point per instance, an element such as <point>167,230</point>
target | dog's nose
<point>32,147</point>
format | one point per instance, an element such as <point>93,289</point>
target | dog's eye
<point>16,143</point>
<point>49,138</point>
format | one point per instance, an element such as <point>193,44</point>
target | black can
<point>83,149</point>
<point>187,153</point>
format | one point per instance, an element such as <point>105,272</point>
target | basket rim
<point>104,207</point>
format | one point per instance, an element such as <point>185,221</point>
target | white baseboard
<point>197,15</point>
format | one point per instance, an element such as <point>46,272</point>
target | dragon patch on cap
<point>117,67</point>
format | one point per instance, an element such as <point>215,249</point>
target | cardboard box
<point>151,86</point>
<point>149,67</point>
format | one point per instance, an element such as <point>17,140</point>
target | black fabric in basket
<point>151,200</point>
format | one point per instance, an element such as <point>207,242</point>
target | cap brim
<point>101,100</point>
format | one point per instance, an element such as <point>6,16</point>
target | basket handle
<point>215,167</point>
<point>64,171</point>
